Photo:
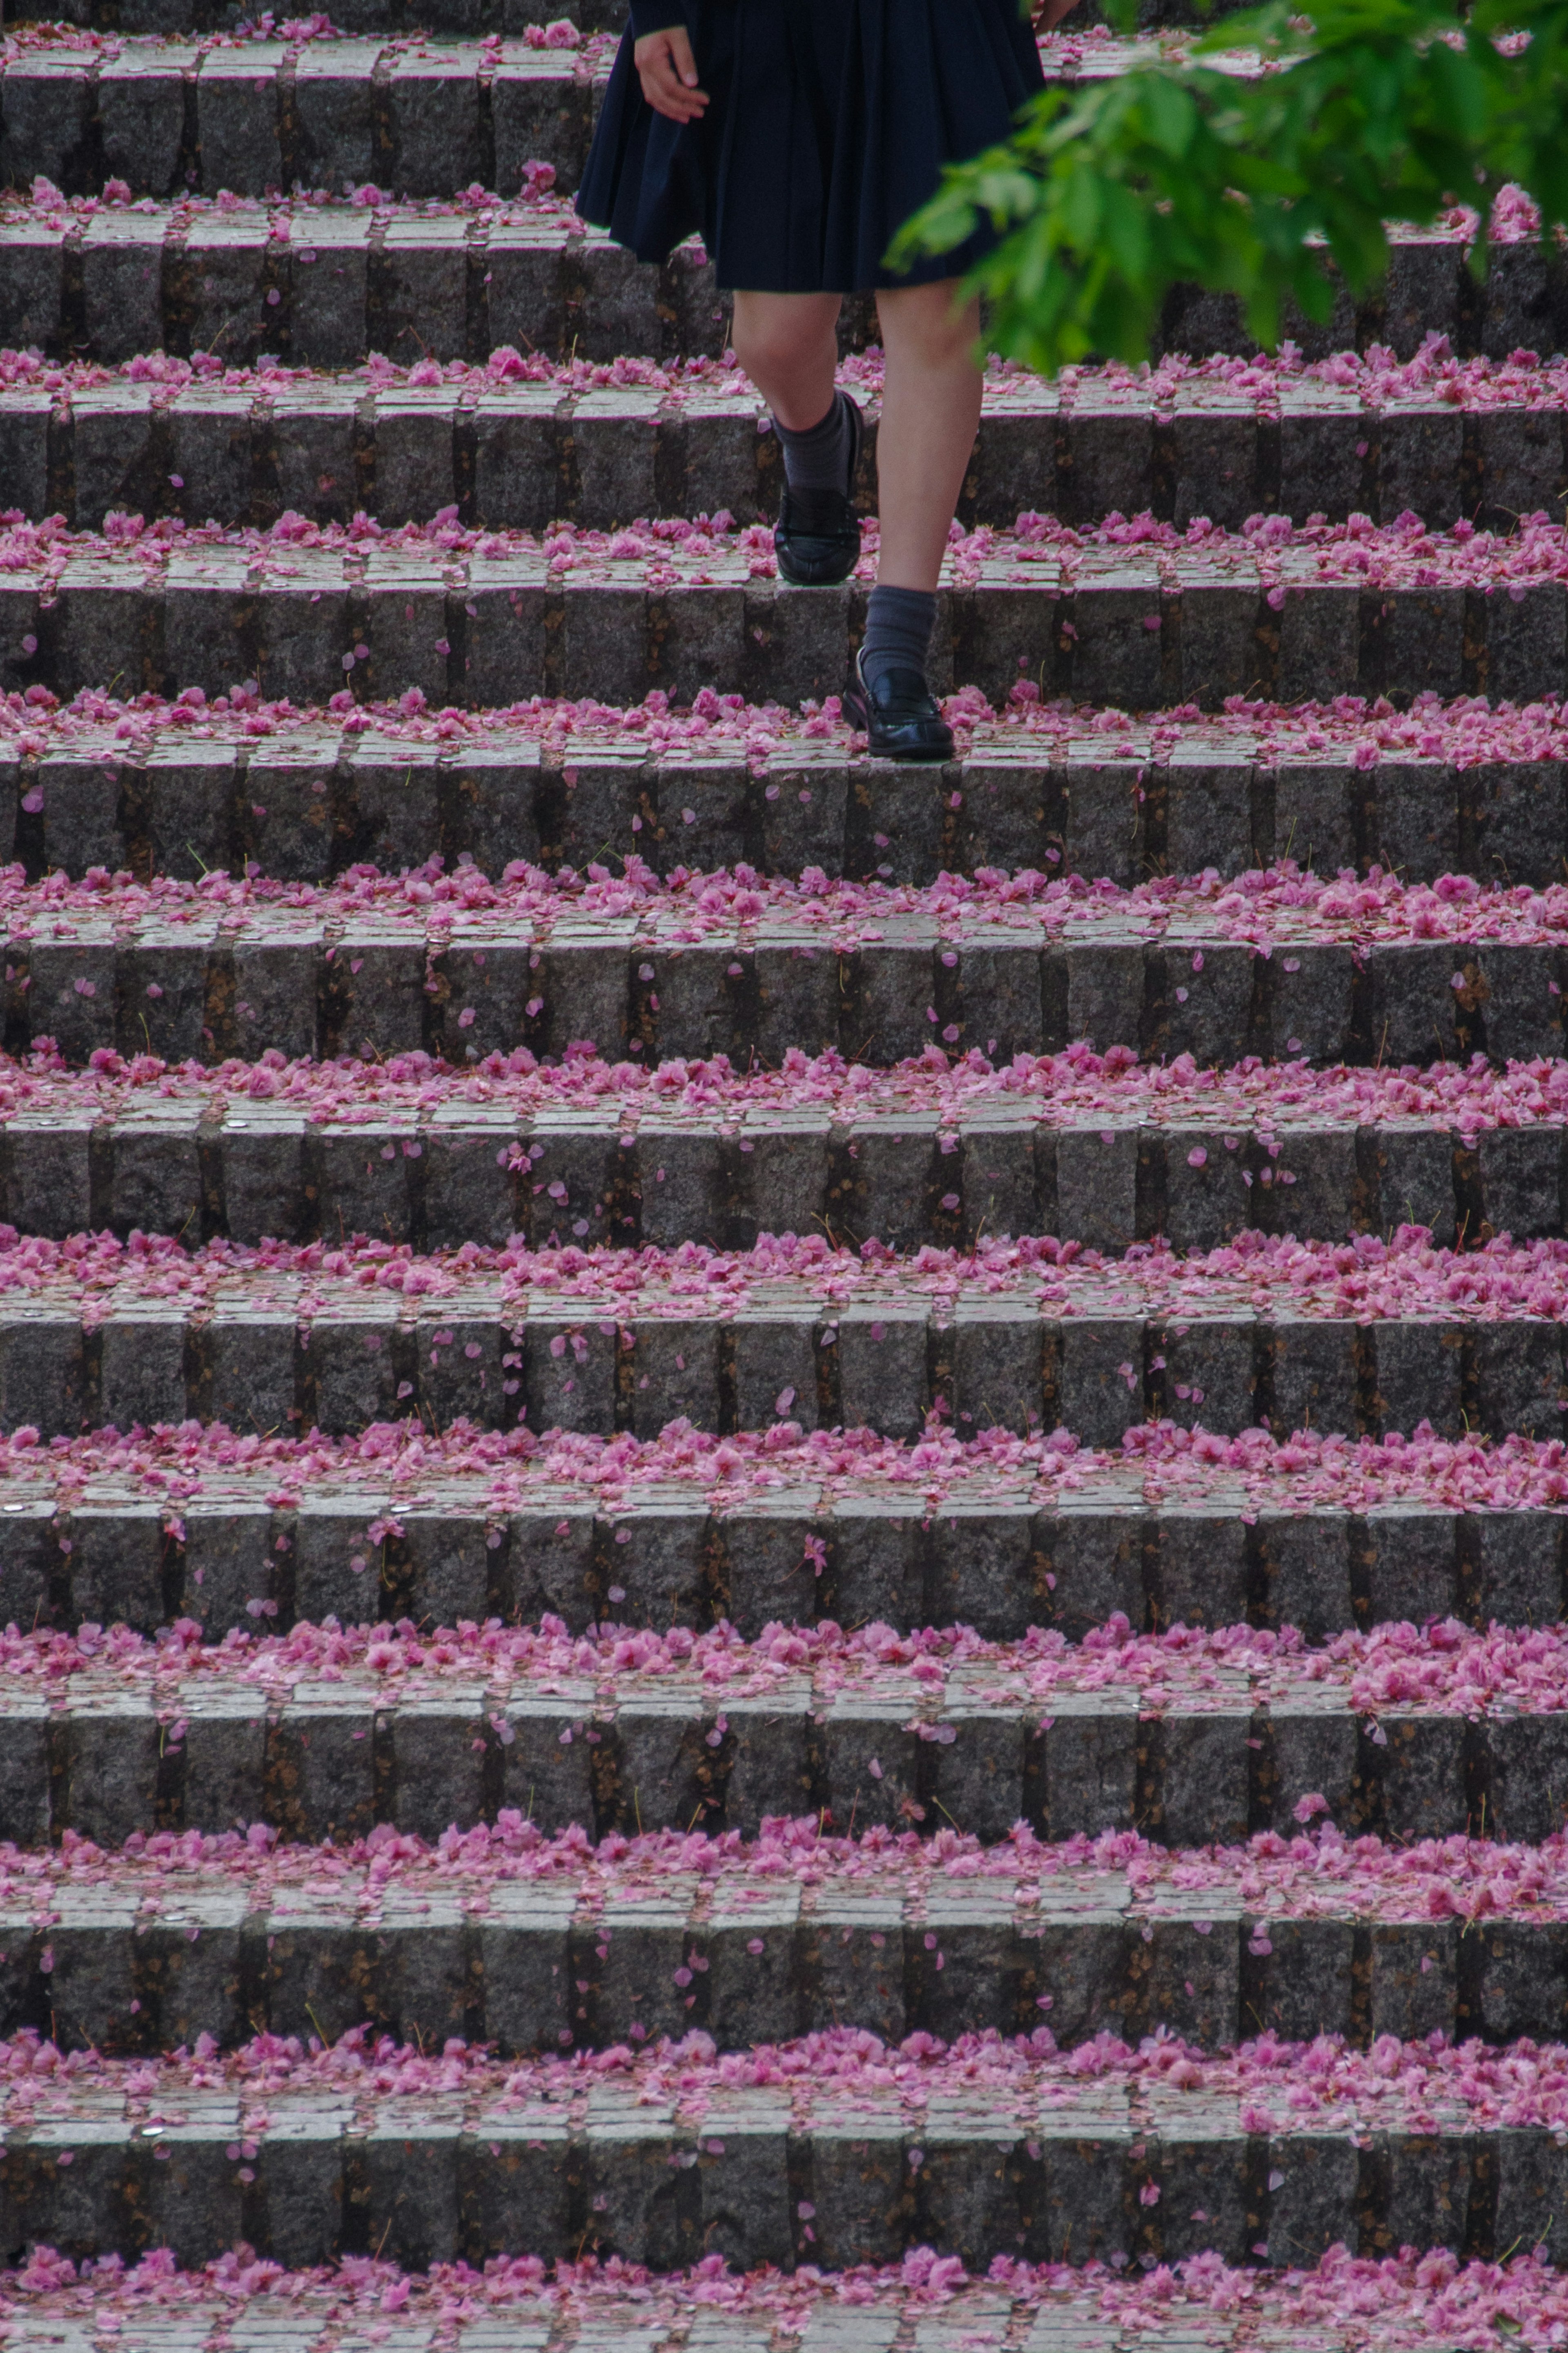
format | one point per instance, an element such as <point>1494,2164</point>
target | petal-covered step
<point>208,114</point>
<point>82,277</point>
<point>179,790</point>
<point>992,2149</point>
<point>527,1943</point>
<point>1352,1342</point>
<point>732,965</point>
<point>1101,1151</point>
<point>1372,2303</point>
<point>410,115</point>
<point>1193,1741</point>
<point>1139,616</point>
<point>528,442</point>
<point>237,1532</point>
<point>527,20</point>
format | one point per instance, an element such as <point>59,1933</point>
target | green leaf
<point>1169,112</point>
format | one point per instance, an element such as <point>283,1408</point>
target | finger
<point>685,64</point>
<point>665,94</point>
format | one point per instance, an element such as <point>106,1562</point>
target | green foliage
<point>1108,196</point>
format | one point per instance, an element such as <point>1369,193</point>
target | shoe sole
<point>927,759</point>
<point>814,580</point>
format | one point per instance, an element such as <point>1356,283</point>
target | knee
<point>770,349</point>
<point>765,347</point>
<point>773,339</point>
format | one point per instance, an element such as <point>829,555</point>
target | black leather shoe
<point>900,716</point>
<point>817,538</point>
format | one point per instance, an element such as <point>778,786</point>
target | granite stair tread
<point>1192,1745</point>
<point>1447,789</point>
<point>1345,1343</point>
<point>488,1936</point>
<point>654,2161</point>
<point>459,280</point>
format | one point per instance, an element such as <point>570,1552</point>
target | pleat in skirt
<point>828,124</point>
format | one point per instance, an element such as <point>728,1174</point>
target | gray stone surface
<point>325,1760</point>
<point>1052,2166</point>
<point>440,1177</point>
<point>256,1353</point>
<point>523,1968</point>
<point>451,2176</point>
<point>998,1564</point>
<point>524,455</point>
<point>503,628</point>
<point>540,286</point>
<point>175,800</point>
<point>392,983</point>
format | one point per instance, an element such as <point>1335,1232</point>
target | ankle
<point>899,623</point>
<point>818,457</point>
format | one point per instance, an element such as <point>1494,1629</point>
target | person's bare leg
<point>930,413</point>
<point>788,346</point>
<point>931,409</point>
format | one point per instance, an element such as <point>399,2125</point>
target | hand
<point>1048,14</point>
<point>667,71</point>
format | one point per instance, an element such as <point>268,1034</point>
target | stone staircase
<point>782,1542</point>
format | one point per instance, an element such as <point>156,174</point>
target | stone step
<point>482,621</point>
<point>117,1956</point>
<point>168,116</point>
<point>394,19</point>
<point>511,618</point>
<point>1203,1745</point>
<point>85,280</point>
<point>1096,795</point>
<point>658,2162</point>
<point>1061,2311</point>
<point>875,980</point>
<point>511,454</point>
<point>438,1161</point>
<point>411,118</point>
<point>1032,1350</point>
<point>1327,1536</point>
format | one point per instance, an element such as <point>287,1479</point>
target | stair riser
<point>184,806</point>
<point>171,121</point>
<point>989,1566</point>
<point>539,1986</point>
<point>332,1770</point>
<point>1392,1002</point>
<point>419,2193</point>
<point>437,1186</point>
<point>448,290</point>
<point>238,458</point>
<point>1018,1371</point>
<point>499,632</point>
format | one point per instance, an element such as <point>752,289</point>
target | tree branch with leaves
<point>1261,185</point>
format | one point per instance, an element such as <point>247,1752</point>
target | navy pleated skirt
<point>828,125</point>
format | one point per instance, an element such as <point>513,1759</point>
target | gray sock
<point>898,626</point>
<point>817,457</point>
